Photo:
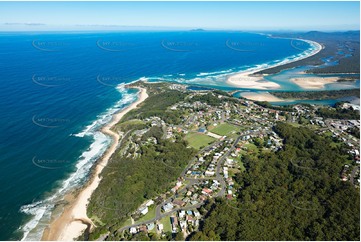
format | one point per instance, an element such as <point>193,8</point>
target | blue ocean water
<point>58,89</point>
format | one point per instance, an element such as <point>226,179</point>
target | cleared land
<point>166,224</point>
<point>198,140</point>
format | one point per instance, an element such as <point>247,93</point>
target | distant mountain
<point>197,30</point>
<point>319,34</point>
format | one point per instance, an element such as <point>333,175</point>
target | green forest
<point>347,42</point>
<point>318,95</point>
<point>128,182</point>
<point>338,112</point>
<point>294,194</point>
<point>156,105</point>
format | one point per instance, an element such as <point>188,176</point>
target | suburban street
<point>159,215</point>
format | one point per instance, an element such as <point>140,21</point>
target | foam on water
<point>41,210</point>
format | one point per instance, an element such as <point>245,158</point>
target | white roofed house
<point>150,226</point>
<point>149,203</point>
<point>181,213</point>
<point>197,214</point>
<point>209,173</point>
<point>133,230</point>
<point>167,207</point>
<point>143,210</point>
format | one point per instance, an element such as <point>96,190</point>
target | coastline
<point>74,220</point>
<point>247,79</point>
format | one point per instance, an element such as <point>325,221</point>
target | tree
<point>179,236</point>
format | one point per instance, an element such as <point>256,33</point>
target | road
<point>159,215</point>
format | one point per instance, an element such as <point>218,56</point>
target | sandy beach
<point>313,82</point>
<point>247,79</point>
<point>74,220</point>
<point>266,96</point>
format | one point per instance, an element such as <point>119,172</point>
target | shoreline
<point>247,79</point>
<point>73,219</point>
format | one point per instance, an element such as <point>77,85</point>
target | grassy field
<point>225,129</point>
<point>197,140</point>
<point>166,224</point>
<point>149,215</point>
<point>240,163</point>
<point>250,149</point>
<point>126,223</point>
<point>129,124</point>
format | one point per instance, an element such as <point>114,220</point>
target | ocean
<point>59,88</point>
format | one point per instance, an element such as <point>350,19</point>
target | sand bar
<point>247,79</point>
<point>313,82</point>
<point>72,222</point>
<point>265,96</point>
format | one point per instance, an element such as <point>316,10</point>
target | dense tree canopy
<point>338,112</point>
<point>295,194</point>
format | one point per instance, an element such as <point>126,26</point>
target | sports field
<point>198,141</point>
<point>225,129</point>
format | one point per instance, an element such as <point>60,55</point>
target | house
<point>209,173</point>
<point>207,191</point>
<point>197,214</point>
<point>149,203</point>
<point>150,226</point>
<point>181,213</point>
<point>168,207</point>
<point>143,210</point>
<point>195,196</point>
<point>229,162</point>
<point>133,230</point>
<point>194,202</point>
<point>202,198</point>
<point>174,222</point>
<point>186,199</point>
<point>179,202</point>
